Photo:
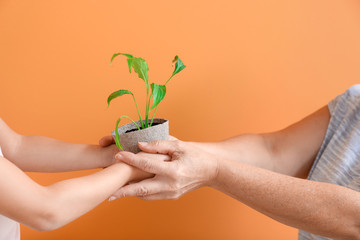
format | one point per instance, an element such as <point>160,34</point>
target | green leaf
<point>117,54</point>
<point>117,134</point>
<point>141,68</point>
<point>138,64</point>
<point>129,61</point>
<point>117,94</point>
<point>158,93</point>
<point>179,65</point>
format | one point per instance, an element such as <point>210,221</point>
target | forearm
<point>252,149</point>
<point>320,208</point>
<point>290,151</point>
<point>42,154</point>
<point>74,197</point>
<point>48,207</point>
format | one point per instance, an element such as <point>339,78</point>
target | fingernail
<point>119,156</point>
<point>143,143</point>
<point>112,198</point>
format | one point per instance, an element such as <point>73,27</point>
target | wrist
<point>109,156</point>
<point>215,166</point>
<point>210,164</point>
<point>134,174</point>
<point>125,170</point>
<point>138,175</point>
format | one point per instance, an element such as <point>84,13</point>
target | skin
<point>45,208</point>
<point>264,171</point>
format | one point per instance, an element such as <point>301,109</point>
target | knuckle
<point>175,196</point>
<point>176,186</point>
<point>176,177</point>
<point>145,198</point>
<point>177,144</point>
<point>156,143</point>
<point>117,195</point>
<point>142,191</point>
<point>120,194</point>
<point>176,155</point>
<point>178,173</point>
<point>147,165</point>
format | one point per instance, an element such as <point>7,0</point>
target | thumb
<point>106,141</point>
<point>162,147</point>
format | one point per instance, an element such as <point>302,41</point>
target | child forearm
<point>74,197</point>
<point>45,208</point>
<point>48,207</point>
<point>42,154</point>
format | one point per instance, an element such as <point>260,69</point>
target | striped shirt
<point>338,161</point>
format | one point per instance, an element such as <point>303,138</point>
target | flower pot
<point>130,136</point>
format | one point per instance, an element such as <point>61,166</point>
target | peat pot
<point>130,136</point>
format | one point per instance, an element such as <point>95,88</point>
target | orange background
<point>252,66</point>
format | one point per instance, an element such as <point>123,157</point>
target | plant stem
<point>153,116</point>
<point>138,127</point>
<point>117,131</point>
<point>137,107</point>
<point>169,79</point>
<point>147,107</point>
<point>152,120</point>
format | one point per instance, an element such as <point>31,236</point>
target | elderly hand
<point>137,174</point>
<point>189,168</point>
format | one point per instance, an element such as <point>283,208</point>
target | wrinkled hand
<point>189,168</point>
<point>137,174</point>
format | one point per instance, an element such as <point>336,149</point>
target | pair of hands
<point>177,167</point>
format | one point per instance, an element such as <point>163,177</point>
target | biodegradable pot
<point>130,136</point>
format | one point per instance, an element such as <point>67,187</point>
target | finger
<point>140,189</point>
<point>159,196</point>
<point>163,147</point>
<point>158,157</point>
<point>170,194</point>
<point>154,197</point>
<point>106,141</point>
<point>143,163</point>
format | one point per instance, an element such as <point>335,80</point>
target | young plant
<point>152,99</point>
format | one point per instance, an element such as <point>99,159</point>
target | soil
<point>135,129</point>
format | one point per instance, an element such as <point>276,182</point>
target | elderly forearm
<point>36,153</point>
<point>320,208</point>
<point>252,149</point>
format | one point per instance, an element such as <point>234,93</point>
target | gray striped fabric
<point>338,161</point>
